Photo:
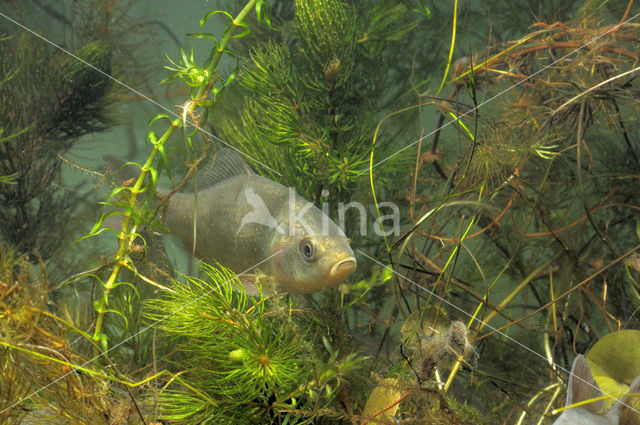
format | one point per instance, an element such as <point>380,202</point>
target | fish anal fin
<point>629,405</point>
<point>227,163</point>
<point>582,386</point>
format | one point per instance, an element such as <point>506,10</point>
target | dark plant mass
<point>481,160</point>
<point>48,100</point>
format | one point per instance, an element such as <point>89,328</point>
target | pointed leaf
<point>202,36</point>
<point>206,17</point>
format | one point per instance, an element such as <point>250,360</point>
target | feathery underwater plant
<point>243,360</point>
<point>550,254</point>
<point>72,100</point>
<point>313,90</point>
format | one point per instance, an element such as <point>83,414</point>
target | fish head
<point>312,262</point>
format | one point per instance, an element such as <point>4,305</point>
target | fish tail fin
<point>628,408</point>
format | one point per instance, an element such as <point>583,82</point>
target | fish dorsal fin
<point>582,386</point>
<point>226,164</point>
<point>629,416</point>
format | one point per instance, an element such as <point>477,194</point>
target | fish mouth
<point>343,268</point>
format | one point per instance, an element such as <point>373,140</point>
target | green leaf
<point>263,12</point>
<point>94,234</point>
<point>117,190</point>
<point>232,76</point>
<point>9,179</point>
<point>96,277</point>
<point>116,204</point>
<point>206,17</point>
<point>104,342</point>
<point>385,274</point>
<point>126,322</point>
<point>158,117</point>
<point>616,356</point>
<point>11,136</point>
<point>202,35</point>
<point>129,284</point>
<point>154,177</point>
<point>97,228</point>
<point>243,33</point>
<point>164,161</point>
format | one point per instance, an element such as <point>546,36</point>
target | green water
<point>496,142</point>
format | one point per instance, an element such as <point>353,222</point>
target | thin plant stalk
<point>126,237</point>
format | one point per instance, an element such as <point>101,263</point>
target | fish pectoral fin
<point>258,283</point>
<point>248,281</point>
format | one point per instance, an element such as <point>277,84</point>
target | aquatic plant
<point>127,199</point>
<point>32,214</point>
<point>313,91</point>
<point>535,182</point>
<point>519,216</point>
<point>244,360</point>
<point>43,378</point>
<point>497,167</point>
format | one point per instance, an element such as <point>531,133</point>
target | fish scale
<point>220,211</point>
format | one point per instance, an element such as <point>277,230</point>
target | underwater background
<point>483,158</point>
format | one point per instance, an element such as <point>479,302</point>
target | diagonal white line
<point>500,94</point>
<point>137,92</point>
<point>449,303</point>
<point>134,335</point>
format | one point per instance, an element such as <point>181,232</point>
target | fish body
<point>583,387</point>
<point>244,220</point>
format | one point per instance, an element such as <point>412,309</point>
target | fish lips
<point>342,268</point>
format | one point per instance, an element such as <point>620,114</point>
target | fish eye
<point>307,249</point>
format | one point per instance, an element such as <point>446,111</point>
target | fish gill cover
<point>482,159</point>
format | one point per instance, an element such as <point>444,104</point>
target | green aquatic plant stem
<point>373,193</point>
<point>453,44</point>
<point>373,147</point>
<point>98,374</point>
<point>216,54</point>
<point>523,284</point>
<point>125,237</point>
<point>498,56</point>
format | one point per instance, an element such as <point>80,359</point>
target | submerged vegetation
<point>36,129</point>
<point>514,160</point>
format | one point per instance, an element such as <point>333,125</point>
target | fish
<point>244,220</point>
<point>583,387</point>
